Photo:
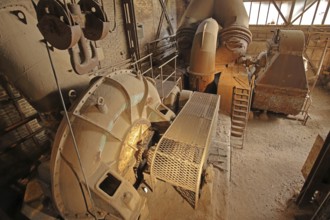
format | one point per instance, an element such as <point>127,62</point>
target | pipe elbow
<point>235,35</point>
<point>202,59</point>
<point>231,12</point>
<point>196,12</point>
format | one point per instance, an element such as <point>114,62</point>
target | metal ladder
<point>239,115</point>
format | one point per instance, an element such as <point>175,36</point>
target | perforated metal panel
<point>181,152</point>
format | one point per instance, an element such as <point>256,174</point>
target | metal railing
<point>168,41</point>
<point>161,75</point>
<point>160,78</point>
<point>137,65</point>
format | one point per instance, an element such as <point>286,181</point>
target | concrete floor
<point>266,174</point>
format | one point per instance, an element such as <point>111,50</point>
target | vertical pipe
<point>202,60</point>
<point>320,65</point>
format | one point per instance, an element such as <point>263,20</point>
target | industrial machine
<point>116,132</point>
<point>207,49</point>
<point>279,73</point>
<point>213,37</point>
<point>281,85</point>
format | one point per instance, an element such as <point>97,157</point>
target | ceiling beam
<point>326,12</point>
<point>279,12</point>
<point>291,11</point>
<point>315,12</point>
<point>305,9</point>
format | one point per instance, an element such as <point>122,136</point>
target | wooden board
<point>312,156</point>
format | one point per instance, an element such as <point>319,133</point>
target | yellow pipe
<point>234,37</point>
<point>202,60</point>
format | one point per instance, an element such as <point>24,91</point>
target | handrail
<point>150,69</point>
<point>158,40</point>
<point>161,66</point>
<point>168,77</point>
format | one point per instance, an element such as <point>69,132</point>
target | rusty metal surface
<point>279,99</point>
<point>181,152</point>
<point>292,42</point>
<point>70,26</point>
<point>286,71</point>
<point>96,25</point>
<point>282,85</point>
<point>55,24</point>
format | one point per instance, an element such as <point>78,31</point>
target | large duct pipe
<point>25,62</point>
<point>235,35</point>
<point>196,12</point>
<point>230,14</point>
<point>202,60</point>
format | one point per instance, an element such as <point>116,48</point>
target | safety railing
<point>139,63</point>
<point>172,74</point>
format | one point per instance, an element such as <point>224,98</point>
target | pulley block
<point>97,25</point>
<point>56,24</point>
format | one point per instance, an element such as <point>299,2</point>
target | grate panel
<point>180,154</point>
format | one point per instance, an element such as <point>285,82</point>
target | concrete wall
<point>148,14</point>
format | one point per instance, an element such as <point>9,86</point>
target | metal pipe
<point>196,12</point>
<point>202,60</point>
<point>25,63</point>
<point>234,37</point>
<point>320,65</point>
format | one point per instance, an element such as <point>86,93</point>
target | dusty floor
<point>165,203</point>
<point>266,173</point>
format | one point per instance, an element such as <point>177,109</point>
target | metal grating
<point>181,153</point>
<point>187,194</point>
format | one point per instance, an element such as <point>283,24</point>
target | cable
<point>114,16</point>
<point>71,131</point>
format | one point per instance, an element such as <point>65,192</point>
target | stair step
<point>242,94</point>
<point>238,122</point>
<point>244,117</point>
<point>236,134</point>
<point>233,127</point>
<point>241,100</point>
<point>240,105</point>
<point>239,116</point>
<point>240,110</point>
<point>241,89</point>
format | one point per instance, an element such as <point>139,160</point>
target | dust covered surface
<point>266,174</point>
<point>165,203</point>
